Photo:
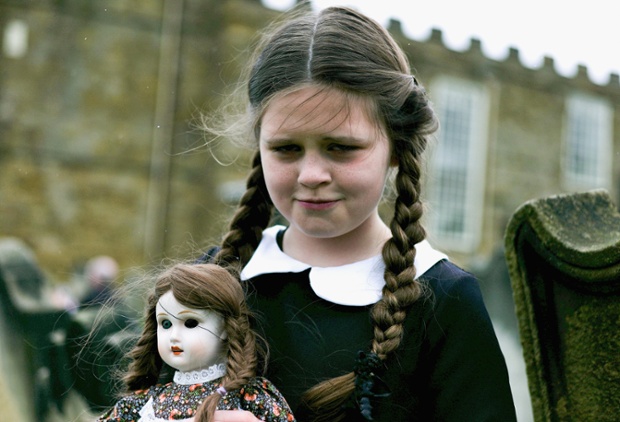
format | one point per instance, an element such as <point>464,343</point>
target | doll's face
<point>188,339</point>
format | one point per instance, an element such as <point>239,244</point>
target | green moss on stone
<point>592,363</point>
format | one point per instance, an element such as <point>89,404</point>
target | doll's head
<point>188,339</point>
<point>200,314</point>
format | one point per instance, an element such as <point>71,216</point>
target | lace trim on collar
<point>201,375</point>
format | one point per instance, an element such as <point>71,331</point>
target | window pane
<point>588,143</point>
<point>457,181</point>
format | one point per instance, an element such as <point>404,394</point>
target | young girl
<point>364,320</point>
<point>197,323</point>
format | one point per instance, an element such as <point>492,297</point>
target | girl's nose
<point>313,171</point>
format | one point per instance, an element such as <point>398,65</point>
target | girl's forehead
<point>318,109</point>
<point>169,305</point>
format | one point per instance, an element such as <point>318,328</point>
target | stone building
<point>509,134</point>
<point>99,104</point>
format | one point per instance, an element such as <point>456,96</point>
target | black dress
<point>449,366</point>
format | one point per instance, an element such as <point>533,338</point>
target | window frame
<point>598,114</point>
<point>444,91</point>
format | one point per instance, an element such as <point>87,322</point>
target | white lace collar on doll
<point>356,284</point>
<point>201,375</point>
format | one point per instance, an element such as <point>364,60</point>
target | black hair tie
<point>367,382</point>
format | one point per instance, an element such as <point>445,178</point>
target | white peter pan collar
<point>356,284</point>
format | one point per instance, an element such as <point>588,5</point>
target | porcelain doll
<point>197,323</point>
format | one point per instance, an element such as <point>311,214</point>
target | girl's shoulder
<point>447,280</point>
<point>444,276</point>
<point>454,294</point>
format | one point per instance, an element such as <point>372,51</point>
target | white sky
<point>571,33</point>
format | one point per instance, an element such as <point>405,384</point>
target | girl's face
<point>325,162</point>
<point>188,339</point>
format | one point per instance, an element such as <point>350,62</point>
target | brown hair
<point>200,286</point>
<point>339,48</point>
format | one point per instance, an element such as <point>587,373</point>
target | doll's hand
<point>234,416</point>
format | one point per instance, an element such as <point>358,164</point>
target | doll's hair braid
<point>145,362</point>
<point>242,359</point>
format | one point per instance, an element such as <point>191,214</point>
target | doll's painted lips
<point>176,350</point>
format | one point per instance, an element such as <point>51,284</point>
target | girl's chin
<point>320,232</point>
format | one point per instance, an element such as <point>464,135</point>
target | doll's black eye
<point>191,323</point>
<point>166,324</point>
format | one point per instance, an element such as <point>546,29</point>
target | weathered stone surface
<point>563,255</point>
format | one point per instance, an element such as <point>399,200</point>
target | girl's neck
<point>364,242</point>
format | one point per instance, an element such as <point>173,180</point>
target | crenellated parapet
<point>436,53</point>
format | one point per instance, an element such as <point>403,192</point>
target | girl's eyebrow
<point>351,139</point>
<point>275,140</point>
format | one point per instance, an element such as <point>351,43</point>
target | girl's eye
<point>342,147</point>
<point>191,323</point>
<point>166,324</point>
<point>288,148</point>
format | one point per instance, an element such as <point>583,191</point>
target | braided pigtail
<point>240,367</point>
<point>408,130</point>
<point>145,362</point>
<point>248,223</point>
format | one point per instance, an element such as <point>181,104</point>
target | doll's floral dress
<point>179,399</point>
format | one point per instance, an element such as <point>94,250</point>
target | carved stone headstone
<point>563,254</point>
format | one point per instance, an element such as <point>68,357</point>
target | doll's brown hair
<point>341,49</point>
<point>198,286</point>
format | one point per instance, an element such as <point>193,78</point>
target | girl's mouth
<point>176,350</point>
<point>316,205</point>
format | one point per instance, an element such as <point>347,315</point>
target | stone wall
<point>526,124</point>
<point>95,119</point>
<point>97,113</point>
